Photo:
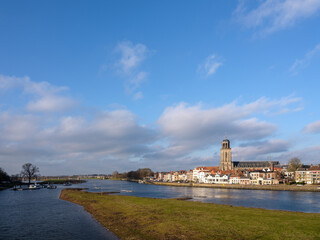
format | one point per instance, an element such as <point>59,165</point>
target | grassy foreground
<point>148,218</point>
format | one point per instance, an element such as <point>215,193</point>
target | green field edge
<point>131,217</point>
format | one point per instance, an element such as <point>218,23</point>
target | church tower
<point>225,155</point>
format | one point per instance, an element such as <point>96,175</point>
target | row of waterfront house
<point>308,175</point>
<point>264,176</point>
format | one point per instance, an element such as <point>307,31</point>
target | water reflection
<point>281,200</point>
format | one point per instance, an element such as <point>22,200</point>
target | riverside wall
<point>280,187</point>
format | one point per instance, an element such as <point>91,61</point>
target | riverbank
<point>148,218</point>
<point>8,186</point>
<point>280,187</point>
<point>61,181</point>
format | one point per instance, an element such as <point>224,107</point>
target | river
<point>40,214</point>
<point>277,200</point>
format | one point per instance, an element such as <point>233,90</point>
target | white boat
<point>34,186</point>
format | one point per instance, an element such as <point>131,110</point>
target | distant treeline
<point>62,181</point>
<point>7,181</point>
<point>141,173</point>
<point>4,176</point>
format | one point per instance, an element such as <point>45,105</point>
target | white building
<point>200,172</point>
<point>234,180</point>
<point>167,177</point>
<point>216,179</point>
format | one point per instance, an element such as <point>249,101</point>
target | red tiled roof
<point>314,168</point>
<point>233,175</point>
<point>207,168</point>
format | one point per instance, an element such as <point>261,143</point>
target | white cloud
<point>259,150</point>
<point>280,106</point>
<point>17,127</point>
<point>308,155</point>
<point>9,82</point>
<point>70,125</point>
<point>304,62</point>
<point>76,142</point>
<point>48,98</point>
<point>140,78</point>
<point>274,15</point>
<point>138,95</point>
<point>135,82</point>
<point>201,127</point>
<point>210,66</point>
<point>51,104</point>
<point>105,141</point>
<point>312,127</point>
<point>131,55</point>
<point>28,86</point>
<point>193,128</point>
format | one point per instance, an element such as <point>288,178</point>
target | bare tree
<point>294,164</point>
<point>115,174</point>
<point>29,171</point>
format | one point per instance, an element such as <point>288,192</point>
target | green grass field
<point>148,218</point>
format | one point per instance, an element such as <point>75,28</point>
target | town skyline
<point>91,88</point>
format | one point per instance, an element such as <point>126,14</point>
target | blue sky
<point>98,86</point>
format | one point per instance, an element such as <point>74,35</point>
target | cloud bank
<point>101,141</point>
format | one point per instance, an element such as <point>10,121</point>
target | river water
<point>278,200</point>
<point>40,214</point>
